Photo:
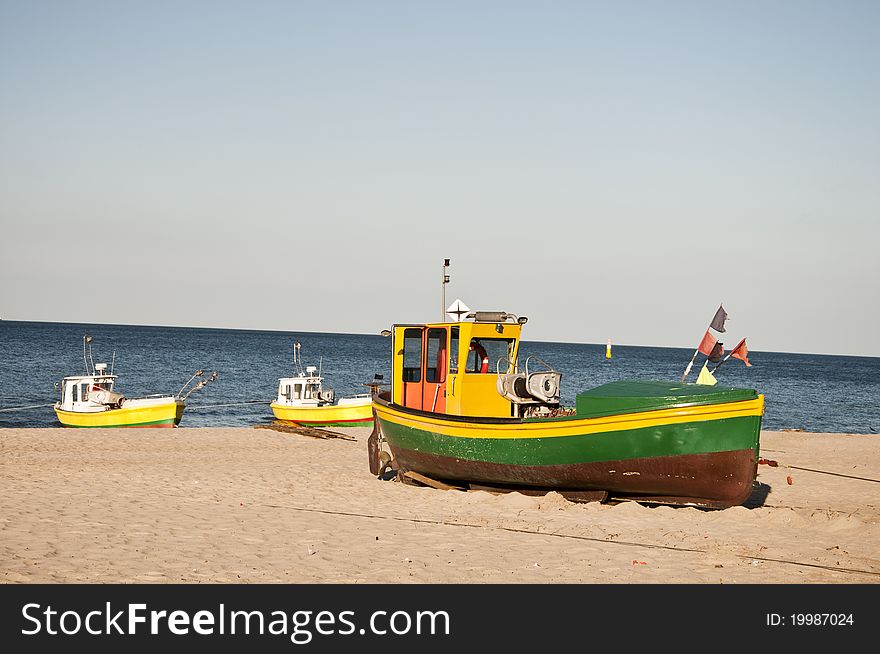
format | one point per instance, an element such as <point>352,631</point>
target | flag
<point>707,344</point>
<point>741,352</point>
<point>718,321</point>
<point>717,352</point>
<point>706,378</point>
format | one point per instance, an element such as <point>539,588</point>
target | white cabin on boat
<point>305,389</point>
<point>86,393</point>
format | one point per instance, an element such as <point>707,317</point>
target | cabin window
<point>453,350</point>
<point>484,354</point>
<point>84,392</point>
<point>297,391</point>
<point>436,356</point>
<point>412,355</point>
<point>287,392</point>
<point>75,393</point>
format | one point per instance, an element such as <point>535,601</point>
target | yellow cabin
<point>453,368</point>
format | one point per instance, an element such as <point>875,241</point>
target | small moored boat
<point>90,400</point>
<point>461,410</point>
<point>302,399</point>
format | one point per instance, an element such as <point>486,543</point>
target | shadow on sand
<point>758,496</point>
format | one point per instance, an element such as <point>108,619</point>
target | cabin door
<point>434,388</point>
<point>413,379</point>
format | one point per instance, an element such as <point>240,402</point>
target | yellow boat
<point>141,412</point>
<point>349,412</point>
<point>89,400</point>
<point>302,399</point>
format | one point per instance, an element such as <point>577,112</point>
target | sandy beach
<point>242,505</point>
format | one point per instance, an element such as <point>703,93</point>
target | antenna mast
<point>444,280</point>
<point>297,358</point>
<point>87,340</point>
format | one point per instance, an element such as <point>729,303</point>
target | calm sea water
<point>803,391</point>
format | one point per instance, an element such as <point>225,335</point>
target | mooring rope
<point>776,464</point>
<point>214,406</point>
<point>836,474</point>
<point>571,536</point>
<point>32,406</point>
<point>191,407</point>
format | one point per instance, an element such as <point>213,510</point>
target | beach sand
<point>248,505</point>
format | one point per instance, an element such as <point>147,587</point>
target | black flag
<point>718,321</point>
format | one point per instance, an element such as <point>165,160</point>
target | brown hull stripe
<point>717,477</point>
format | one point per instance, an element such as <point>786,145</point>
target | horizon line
<point>305,331</point>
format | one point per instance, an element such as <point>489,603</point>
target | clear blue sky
<point>608,169</point>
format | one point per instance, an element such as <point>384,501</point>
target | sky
<point>610,170</point>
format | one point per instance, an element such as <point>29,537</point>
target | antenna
<point>320,364</point>
<point>113,362</point>
<point>444,280</point>
<point>87,340</point>
<point>297,358</point>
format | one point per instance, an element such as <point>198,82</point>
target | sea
<point>810,392</point>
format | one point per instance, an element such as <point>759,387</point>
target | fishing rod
<point>202,383</point>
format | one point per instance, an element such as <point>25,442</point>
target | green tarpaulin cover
<point>632,396</point>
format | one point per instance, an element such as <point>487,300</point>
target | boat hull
<point>166,414</point>
<point>703,455</point>
<point>355,415</point>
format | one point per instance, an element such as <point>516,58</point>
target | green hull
<point>691,447</point>
<point>171,422</point>
<point>666,440</point>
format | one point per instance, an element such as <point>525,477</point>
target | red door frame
<point>434,393</point>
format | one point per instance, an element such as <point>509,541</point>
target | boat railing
<point>546,365</point>
<point>511,366</point>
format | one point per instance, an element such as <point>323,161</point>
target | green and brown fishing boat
<point>461,410</point>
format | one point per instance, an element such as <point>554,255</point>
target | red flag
<point>741,352</point>
<point>707,344</point>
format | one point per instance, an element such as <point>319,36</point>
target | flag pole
<point>718,319</point>
<point>690,365</point>
<point>715,369</point>
<point>729,354</point>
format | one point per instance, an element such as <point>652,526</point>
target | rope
<point>214,406</point>
<point>776,464</point>
<point>536,533</point>
<point>571,536</point>
<point>836,474</point>
<point>33,406</point>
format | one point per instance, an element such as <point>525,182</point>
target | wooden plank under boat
<point>663,441</point>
